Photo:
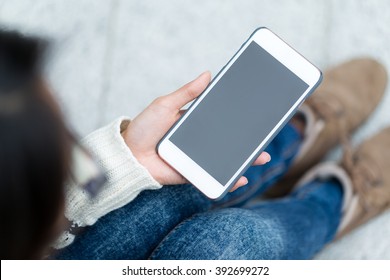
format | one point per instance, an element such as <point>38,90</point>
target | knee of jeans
<point>232,233</point>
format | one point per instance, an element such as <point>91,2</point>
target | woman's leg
<point>133,231</point>
<point>295,227</point>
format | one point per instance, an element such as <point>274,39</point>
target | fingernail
<point>268,157</point>
<point>204,73</point>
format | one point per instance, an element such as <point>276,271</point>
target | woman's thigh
<point>282,230</point>
<point>133,231</point>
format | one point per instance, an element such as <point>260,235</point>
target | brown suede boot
<point>364,175</point>
<point>348,94</point>
<point>369,171</point>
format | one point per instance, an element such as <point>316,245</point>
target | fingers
<point>263,158</point>
<point>240,183</point>
<point>181,112</point>
<point>188,92</point>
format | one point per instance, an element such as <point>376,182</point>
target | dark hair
<point>33,150</point>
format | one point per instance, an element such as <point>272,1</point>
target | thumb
<point>189,92</point>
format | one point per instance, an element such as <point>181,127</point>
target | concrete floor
<point>114,57</point>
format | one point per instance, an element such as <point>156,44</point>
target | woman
<point>52,193</point>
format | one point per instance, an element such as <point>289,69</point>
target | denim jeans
<point>178,222</point>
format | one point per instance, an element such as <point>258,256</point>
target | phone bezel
<point>194,173</point>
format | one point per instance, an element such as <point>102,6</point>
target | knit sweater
<point>126,178</point>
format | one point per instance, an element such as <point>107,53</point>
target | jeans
<point>178,222</point>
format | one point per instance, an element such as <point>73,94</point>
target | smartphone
<point>239,113</point>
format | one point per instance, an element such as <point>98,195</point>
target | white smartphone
<point>239,113</point>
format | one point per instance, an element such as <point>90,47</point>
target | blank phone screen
<point>238,113</point>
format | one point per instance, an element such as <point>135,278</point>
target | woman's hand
<point>146,130</point>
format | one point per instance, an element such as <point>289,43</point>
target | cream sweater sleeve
<point>126,178</point>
